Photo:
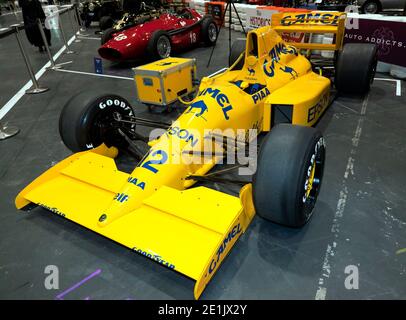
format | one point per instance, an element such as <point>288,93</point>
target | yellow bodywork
<point>154,211</point>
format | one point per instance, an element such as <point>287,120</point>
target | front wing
<point>189,231</point>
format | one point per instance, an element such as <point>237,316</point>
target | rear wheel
<point>107,35</point>
<point>87,121</point>
<point>356,66</point>
<point>209,30</point>
<point>106,22</point>
<point>237,48</point>
<point>159,45</point>
<point>289,174</point>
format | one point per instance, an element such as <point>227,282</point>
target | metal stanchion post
<point>8,131</point>
<point>80,23</point>
<point>75,31</point>
<point>44,39</point>
<point>15,11</point>
<point>36,88</point>
<point>68,51</point>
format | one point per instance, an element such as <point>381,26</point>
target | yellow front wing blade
<point>189,231</point>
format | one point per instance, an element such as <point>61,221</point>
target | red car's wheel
<point>209,30</point>
<point>159,45</point>
<point>107,35</point>
<point>106,22</point>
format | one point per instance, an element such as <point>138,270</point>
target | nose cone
<point>124,45</point>
<point>110,53</point>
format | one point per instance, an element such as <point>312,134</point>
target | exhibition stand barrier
<point>68,50</point>
<point>9,131</point>
<point>36,87</point>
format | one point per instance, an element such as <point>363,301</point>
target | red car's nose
<point>110,53</point>
<point>124,45</point>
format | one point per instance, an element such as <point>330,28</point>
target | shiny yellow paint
<point>309,92</point>
<point>238,226</point>
<point>179,229</point>
<point>21,200</point>
<point>154,210</point>
<point>162,82</point>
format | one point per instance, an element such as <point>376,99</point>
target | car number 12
<point>161,157</point>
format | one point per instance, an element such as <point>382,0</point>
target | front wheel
<point>159,45</point>
<point>87,121</point>
<point>289,174</point>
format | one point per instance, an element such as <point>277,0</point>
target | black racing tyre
<point>237,48</point>
<point>371,7</point>
<point>106,22</point>
<point>209,30</point>
<point>159,45</point>
<point>356,66</point>
<point>107,35</point>
<point>289,174</point>
<point>87,121</point>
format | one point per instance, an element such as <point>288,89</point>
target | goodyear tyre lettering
<point>320,143</point>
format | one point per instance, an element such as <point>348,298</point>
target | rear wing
<point>310,23</point>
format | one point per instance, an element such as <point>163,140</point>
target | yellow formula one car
<point>270,88</point>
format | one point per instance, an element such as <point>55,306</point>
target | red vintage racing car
<point>158,36</point>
